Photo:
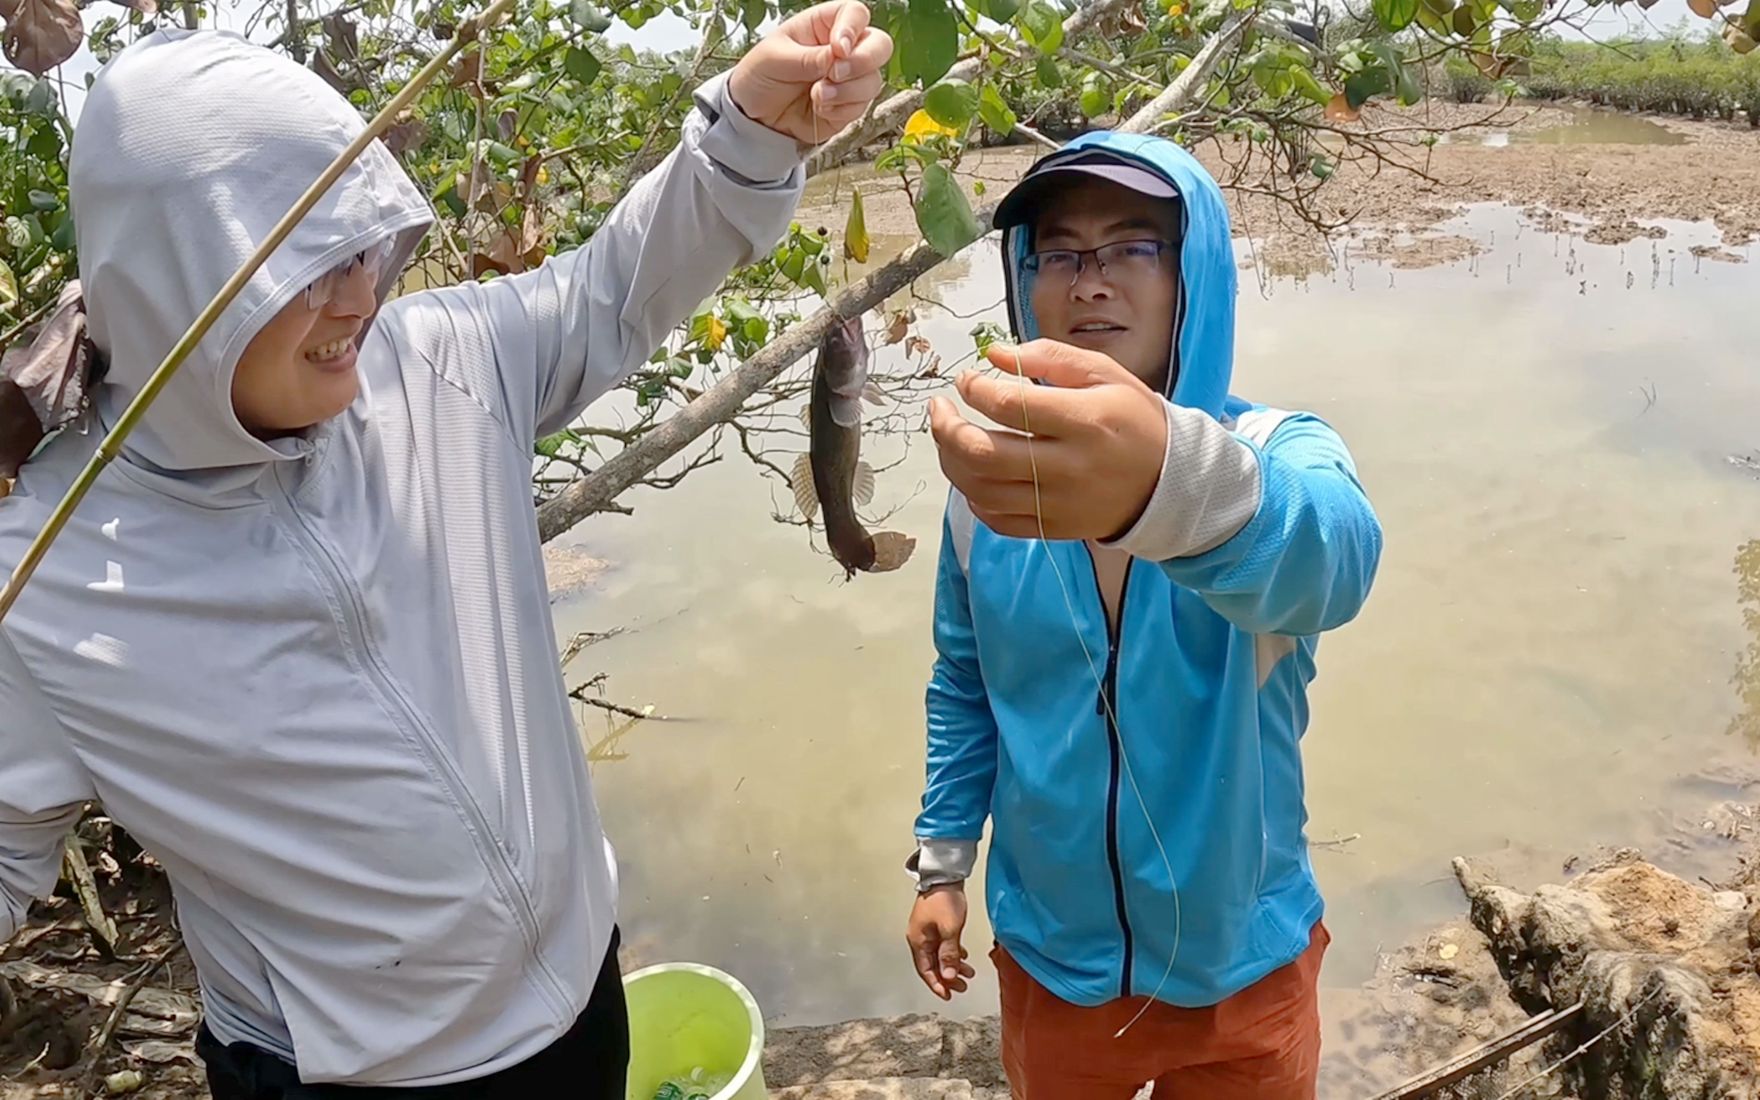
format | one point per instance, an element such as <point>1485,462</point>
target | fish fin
<point>806,495</point>
<point>891,550</point>
<point>874,394</point>
<point>863,489</point>
<point>846,412</point>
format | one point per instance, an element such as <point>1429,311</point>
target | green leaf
<point>44,201</point>
<point>952,103</point>
<point>1370,82</point>
<point>1002,11</point>
<point>1396,15</point>
<point>986,333</point>
<point>995,112</point>
<point>1436,23</point>
<point>855,230</point>
<point>752,13</point>
<point>580,63</point>
<point>551,445</point>
<point>1525,11</point>
<point>45,144</point>
<point>1322,167</point>
<point>1309,88</point>
<point>1751,20</point>
<point>1050,76</point>
<point>41,100</point>
<point>814,278</point>
<point>1094,99</point>
<point>1464,21</point>
<point>928,41</point>
<point>62,240</point>
<point>1406,86</point>
<point>587,16</point>
<point>943,214</point>
<point>1041,24</point>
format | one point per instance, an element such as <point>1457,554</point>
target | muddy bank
<point>1436,158</point>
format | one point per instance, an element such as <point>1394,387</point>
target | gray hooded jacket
<point>317,678</point>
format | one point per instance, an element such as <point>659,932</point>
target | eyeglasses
<point>1122,259</point>
<point>373,258</point>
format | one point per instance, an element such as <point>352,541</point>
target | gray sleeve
<point>573,328</point>
<point>43,788</point>
<point>1208,490</point>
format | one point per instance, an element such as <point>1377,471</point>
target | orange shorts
<point>1263,1043</point>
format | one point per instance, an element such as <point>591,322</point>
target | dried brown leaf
<point>41,34</point>
<point>344,43</point>
<point>405,135</point>
<point>468,73</point>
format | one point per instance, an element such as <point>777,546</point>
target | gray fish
<point>831,475</point>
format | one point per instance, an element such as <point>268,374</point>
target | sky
<point>668,32</point>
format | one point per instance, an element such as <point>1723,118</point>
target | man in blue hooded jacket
<point>1126,615</point>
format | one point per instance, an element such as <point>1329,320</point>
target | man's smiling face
<point>1126,310</point>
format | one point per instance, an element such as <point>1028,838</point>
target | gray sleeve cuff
<point>941,862</point>
<point>1208,491</point>
<point>751,151</point>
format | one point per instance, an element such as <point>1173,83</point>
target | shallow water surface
<point>1586,126</point>
<point>1545,664</point>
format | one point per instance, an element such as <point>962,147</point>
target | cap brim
<point>1023,202</point>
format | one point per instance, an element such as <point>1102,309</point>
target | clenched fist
<point>815,73</point>
<point>1099,436</point>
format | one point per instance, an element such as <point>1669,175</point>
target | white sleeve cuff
<point>940,862</point>
<point>747,149</point>
<point>1208,491</point>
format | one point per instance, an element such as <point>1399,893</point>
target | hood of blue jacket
<point>1202,356</point>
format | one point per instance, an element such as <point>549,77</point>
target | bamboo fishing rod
<point>467,35</point>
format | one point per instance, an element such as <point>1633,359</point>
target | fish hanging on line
<point>831,477</point>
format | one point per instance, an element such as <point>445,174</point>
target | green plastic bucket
<point>683,1016</point>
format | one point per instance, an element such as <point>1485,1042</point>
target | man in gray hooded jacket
<point>297,638</point>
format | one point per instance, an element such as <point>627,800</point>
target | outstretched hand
<point>815,73</point>
<point>1099,437</point>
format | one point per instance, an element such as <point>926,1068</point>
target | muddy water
<point>1545,665</point>
<point>1583,126</point>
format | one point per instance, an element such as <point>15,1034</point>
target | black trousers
<point>591,1062</point>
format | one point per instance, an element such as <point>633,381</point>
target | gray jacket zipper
<point>489,848</point>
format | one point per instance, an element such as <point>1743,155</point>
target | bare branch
<point>897,109</point>
<point>1193,77</point>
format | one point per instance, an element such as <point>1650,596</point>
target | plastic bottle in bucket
<point>692,1028</point>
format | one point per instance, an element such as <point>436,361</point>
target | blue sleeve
<point>961,764</point>
<point>1305,561</point>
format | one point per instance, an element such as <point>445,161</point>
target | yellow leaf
<point>717,333</point>
<point>855,232</point>
<point>921,126</point>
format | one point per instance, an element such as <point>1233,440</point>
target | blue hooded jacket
<point>1194,768</point>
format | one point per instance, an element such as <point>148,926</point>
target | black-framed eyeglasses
<point>1123,259</point>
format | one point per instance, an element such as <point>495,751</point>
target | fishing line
<point>1100,685</point>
